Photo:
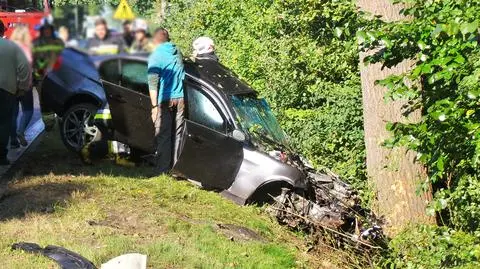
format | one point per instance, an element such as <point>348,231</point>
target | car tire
<point>76,126</point>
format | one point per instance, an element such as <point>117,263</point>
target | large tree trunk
<point>394,173</point>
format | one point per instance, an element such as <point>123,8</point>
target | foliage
<point>433,247</point>
<point>442,37</point>
<point>300,55</point>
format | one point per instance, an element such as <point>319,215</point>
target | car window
<point>109,71</point>
<point>134,76</point>
<point>202,110</point>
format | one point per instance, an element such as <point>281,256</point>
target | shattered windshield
<point>256,117</point>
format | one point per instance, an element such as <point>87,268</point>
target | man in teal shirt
<point>165,82</point>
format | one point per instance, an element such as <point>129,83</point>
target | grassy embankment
<point>104,211</point>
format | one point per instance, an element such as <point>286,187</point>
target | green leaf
<point>422,45</point>
<point>427,69</point>
<point>338,32</point>
<point>467,28</point>
<point>361,36</point>
<point>430,211</point>
<point>441,163</point>
<point>387,42</point>
<point>459,59</point>
<point>452,28</point>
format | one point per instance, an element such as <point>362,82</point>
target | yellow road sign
<point>124,12</point>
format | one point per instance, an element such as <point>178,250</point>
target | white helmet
<point>203,45</point>
<point>140,25</point>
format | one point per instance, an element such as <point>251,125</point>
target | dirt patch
<point>239,233</point>
<point>131,222</point>
<point>231,231</point>
<point>18,201</point>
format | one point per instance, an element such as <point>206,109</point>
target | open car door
<point>208,155</point>
<point>130,107</point>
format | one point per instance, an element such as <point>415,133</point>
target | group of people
<point>24,63</point>
<point>135,38</point>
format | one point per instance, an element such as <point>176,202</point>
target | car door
<point>130,106</point>
<point>209,155</point>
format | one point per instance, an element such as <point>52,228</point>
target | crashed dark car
<point>232,140</point>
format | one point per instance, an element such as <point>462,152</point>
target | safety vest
<point>45,52</point>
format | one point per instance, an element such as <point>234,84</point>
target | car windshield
<point>256,117</point>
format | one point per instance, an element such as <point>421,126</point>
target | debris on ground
<point>127,261</point>
<point>238,233</point>
<point>70,260</point>
<point>329,206</point>
<point>65,258</point>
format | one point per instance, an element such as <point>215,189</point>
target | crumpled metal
<point>328,205</point>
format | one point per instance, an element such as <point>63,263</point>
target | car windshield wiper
<point>269,140</point>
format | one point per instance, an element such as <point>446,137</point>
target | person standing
<point>104,42</point>
<point>46,49</point>
<point>128,37</point>
<point>204,49</point>
<point>165,82</point>
<point>21,36</point>
<point>142,43</point>
<point>15,75</point>
<point>64,35</point>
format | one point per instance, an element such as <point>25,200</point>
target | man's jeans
<point>26,102</point>
<point>168,131</point>
<point>7,103</point>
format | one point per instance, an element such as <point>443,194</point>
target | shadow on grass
<point>42,198</point>
<point>52,157</point>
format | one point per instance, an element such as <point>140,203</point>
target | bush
<point>433,247</point>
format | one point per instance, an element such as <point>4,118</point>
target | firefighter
<point>100,148</point>
<point>142,41</point>
<point>46,49</point>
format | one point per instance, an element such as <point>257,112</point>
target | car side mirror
<point>239,135</point>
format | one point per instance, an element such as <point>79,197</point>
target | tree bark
<point>394,173</point>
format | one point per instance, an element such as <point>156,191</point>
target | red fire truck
<point>28,12</point>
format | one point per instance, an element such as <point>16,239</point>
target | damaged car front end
<point>301,197</point>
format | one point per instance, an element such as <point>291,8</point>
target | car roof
<point>209,71</point>
<point>217,75</point>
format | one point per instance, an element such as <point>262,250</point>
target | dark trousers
<point>19,128</point>
<point>168,133</point>
<point>7,104</point>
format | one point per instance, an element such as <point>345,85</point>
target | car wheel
<point>76,127</point>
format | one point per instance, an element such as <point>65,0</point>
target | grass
<point>104,211</point>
